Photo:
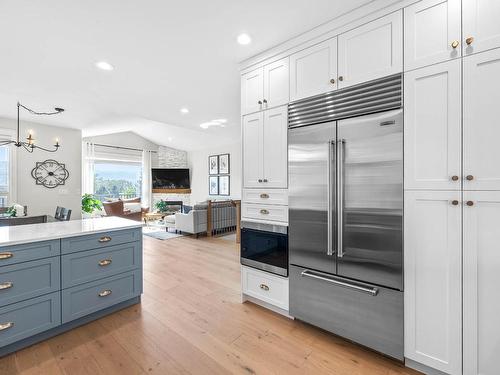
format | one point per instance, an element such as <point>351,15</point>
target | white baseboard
<point>245,298</point>
<point>422,368</point>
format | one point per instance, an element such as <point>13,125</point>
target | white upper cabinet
<point>314,70</point>
<point>433,130</point>
<point>276,83</point>
<point>253,133</point>
<point>252,91</point>
<point>481,26</point>
<point>481,262</point>
<point>433,279</point>
<point>432,32</point>
<point>275,148</point>
<point>481,111</point>
<point>371,51</point>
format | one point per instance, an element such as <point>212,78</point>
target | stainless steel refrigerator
<point>345,214</point>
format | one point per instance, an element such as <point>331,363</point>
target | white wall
<point>198,164</point>
<point>39,199</point>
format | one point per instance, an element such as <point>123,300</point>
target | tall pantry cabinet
<point>452,185</point>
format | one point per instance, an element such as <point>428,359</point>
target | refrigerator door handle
<point>373,291</point>
<point>340,197</point>
<point>331,154</point>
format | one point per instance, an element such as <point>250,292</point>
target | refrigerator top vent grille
<point>375,96</point>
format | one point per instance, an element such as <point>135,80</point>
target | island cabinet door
<point>480,282</point>
<point>313,70</point>
<point>371,51</point>
<point>433,277</point>
<point>481,29</point>
<point>432,32</point>
<point>433,127</point>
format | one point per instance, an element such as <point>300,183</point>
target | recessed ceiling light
<point>184,110</point>
<point>244,39</point>
<point>219,122</point>
<point>170,139</point>
<point>104,65</point>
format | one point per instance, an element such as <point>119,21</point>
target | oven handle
<point>373,291</point>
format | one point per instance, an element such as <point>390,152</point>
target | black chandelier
<point>29,144</point>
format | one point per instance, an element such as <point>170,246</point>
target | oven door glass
<point>264,249</point>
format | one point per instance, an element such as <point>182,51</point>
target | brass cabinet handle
<point>260,180</point>
<point>341,78</point>
<point>105,293</point>
<point>332,81</point>
<point>265,101</point>
<point>264,287</point>
<point>470,203</point>
<point>259,102</point>
<point>454,178</point>
<point>455,44</point>
<point>469,40</point>
<point>4,326</point>
<point>264,212</point>
<point>6,285</point>
<point>264,180</point>
<point>454,202</point>
<point>104,239</point>
<point>105,262</point>
<point>264,196</point>
<point>469,177</point>
<point>6,255</point>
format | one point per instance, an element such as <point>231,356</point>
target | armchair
<point>195,222</point>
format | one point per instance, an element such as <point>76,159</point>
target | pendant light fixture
<point>29,145</point>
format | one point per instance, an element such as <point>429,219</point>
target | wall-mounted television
<point>170,178</point>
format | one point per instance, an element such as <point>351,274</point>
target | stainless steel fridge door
<point>370,198</point>
<point>311,191</point>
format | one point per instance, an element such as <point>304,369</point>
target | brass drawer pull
<point>264,287</point>
<point>105,293</point>
<point>104,239</point>
<point>264,212</point>
<point>105,262</point>
<point>6,285</point>
<point>6,255</point>
<point>264,196</point>
<point>7,325</point>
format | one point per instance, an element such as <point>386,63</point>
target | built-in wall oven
<point>265,247</point>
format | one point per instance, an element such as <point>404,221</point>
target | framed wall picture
<point>224,188</point>
<point>224,164</point>
<point>213,164</point>
<point>213,185</point>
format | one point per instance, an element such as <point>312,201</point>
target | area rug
<point>160,234</point>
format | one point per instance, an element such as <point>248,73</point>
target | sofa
<point>126,208</point>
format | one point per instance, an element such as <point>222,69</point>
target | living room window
<point>4,175</point>
<point>117,179</point>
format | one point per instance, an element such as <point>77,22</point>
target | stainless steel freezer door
<point>311,167</point>
<point>370,192</point>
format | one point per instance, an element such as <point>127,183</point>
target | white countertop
<point>20,234</point>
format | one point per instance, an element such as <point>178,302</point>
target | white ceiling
<point>166,54</point>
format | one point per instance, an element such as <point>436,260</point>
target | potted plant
<point>90,204</point>
<point>161,206</point>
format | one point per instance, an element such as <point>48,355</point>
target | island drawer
<point>29,279</point>
<point>30,251</point>
<point>86,266</point>
<point>24,319</point>
<point>87,298</point>
<point>100,240</point>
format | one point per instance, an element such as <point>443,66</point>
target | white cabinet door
<point>481,130</point>
<point>432,32</point>
<point>433,279</point>
<point>480,22</point>
<point>433,131</point>
<point>252,133</point>
<point>252,91</point>
<point>371,51</point>
<point>275,148</point>
<point>276,83</point>
<point>480,284</point>
<point>314,70</point>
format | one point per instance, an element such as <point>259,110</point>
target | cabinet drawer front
<point>31,251</point>
<point>29,279</point>
<point>99,240</point>
<point>264,212</point>
<point>87,298</point>
<point>266,196</point>
<point>79,268</point>
<point>265,287</point>
<point>27,318</point>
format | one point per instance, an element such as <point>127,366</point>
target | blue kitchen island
<point>57,276</point>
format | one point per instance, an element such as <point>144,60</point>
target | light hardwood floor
<point>191,321</point>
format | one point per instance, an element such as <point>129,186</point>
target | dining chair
<point>62,214</point>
